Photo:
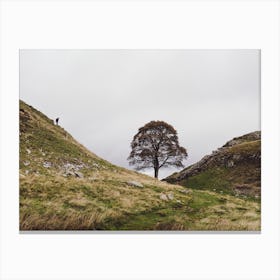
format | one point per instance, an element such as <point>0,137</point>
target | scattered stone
<point>135,184</point>
<point>28,151</point>
<point>170,196</point>
<point>79,174</point>
<point>74,167</point>
<point>163,196</point>
<point>26,163</point>
<point>47,164</point>
<point>230,163</point>
<point>166,197</point>
<point>69,166</point>
<point>70,169</point>
<point>69,173</point>
<point>21,175</point>
<point>184,191</point>
<point>26,172</point>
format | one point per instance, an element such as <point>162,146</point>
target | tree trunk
<point>156,172</point>
<point>156,165</point>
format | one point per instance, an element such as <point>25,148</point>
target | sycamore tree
<point>155,146</point>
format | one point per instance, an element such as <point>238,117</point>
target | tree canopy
<point>155,146</point>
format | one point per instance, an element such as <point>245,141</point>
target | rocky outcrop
<point>239,157</point>
<point>254,136</point>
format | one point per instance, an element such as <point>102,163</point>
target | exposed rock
<point>170,196</point>
<point>163,196</point>
<point>247,137</point>
<point>71,169</point>
<point>95,165</point>
<point>166,197</point>
<point>73,166</point>
<point>74,174</point>
<point>24,120</point>
<point>69,173</point>
<point>185,191</point>
<point>79,174</point>
<point>230,163</point>
<point>26,163</point>
<point>135,184</point>
<point>28,151</point>
<point>47,164</point>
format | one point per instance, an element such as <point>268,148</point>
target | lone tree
<point>156,145</point>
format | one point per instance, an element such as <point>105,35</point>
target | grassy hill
<point>64,186</point>
<point>234,168</point>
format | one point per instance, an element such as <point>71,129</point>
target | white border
<point>155,24</point>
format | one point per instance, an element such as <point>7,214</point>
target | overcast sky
<point>103,96</point>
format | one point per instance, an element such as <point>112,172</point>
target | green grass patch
<point>203,199</point>
<point>214,179</point>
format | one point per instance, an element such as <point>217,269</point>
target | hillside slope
<point>234,168</point>
<point>63,186</point>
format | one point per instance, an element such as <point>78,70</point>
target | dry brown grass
<point>56,202</point>
<point>59,203</point>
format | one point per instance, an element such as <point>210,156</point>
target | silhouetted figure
<point>56,121</point>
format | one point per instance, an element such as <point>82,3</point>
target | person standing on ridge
<point>56,121</point>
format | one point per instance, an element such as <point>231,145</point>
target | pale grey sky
<point>103,96</point>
